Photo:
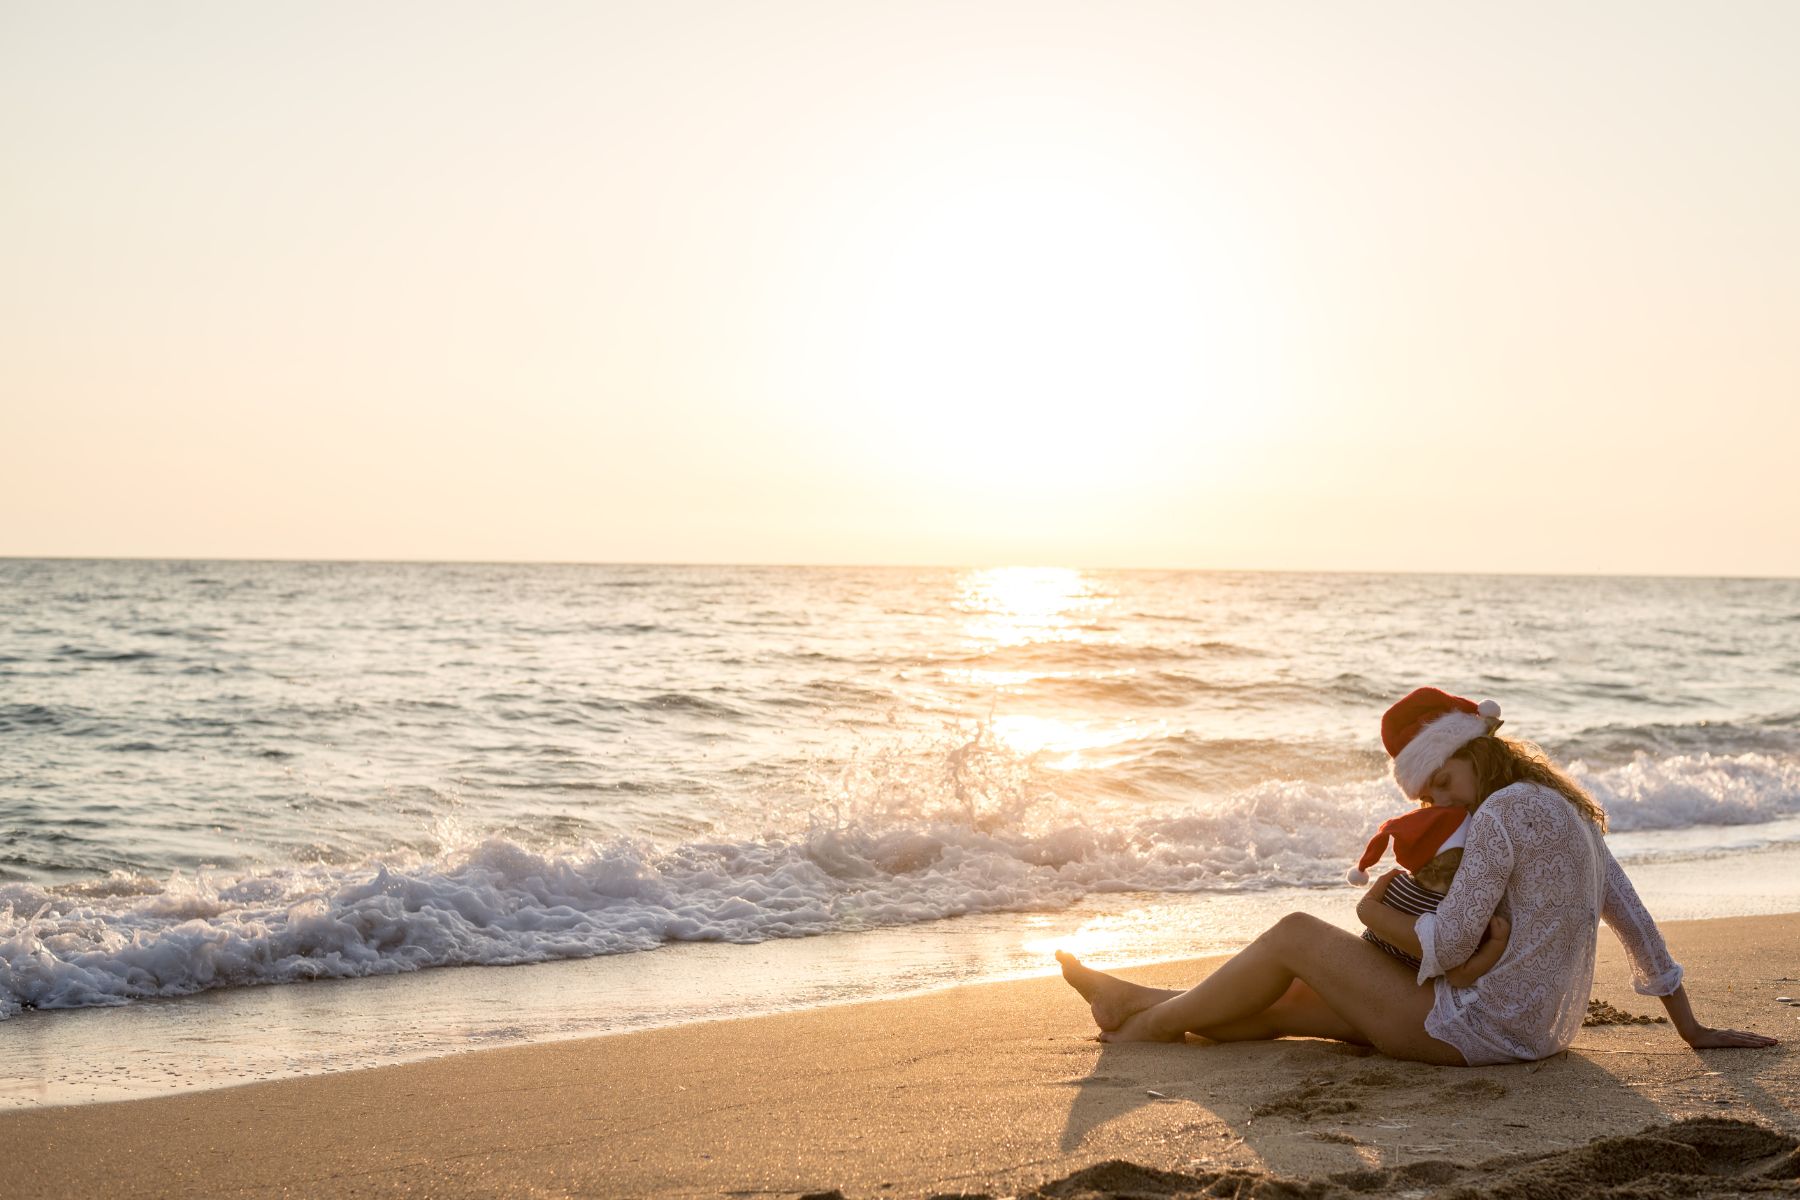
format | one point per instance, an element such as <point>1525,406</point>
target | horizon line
<point>849,566</point>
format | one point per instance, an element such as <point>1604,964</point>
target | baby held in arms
<point>1428,845</point>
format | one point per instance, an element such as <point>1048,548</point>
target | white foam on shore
<point>245,1035</point>
<point>871,865</point>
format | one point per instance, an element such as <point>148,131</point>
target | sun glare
<point>1096,937</point>
<point>1011,606</point>
<point>1068,743</point>
<point>1038,315</point>
<point>1034,328</point>
<point>1018,608</point>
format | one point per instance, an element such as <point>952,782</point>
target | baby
<point>1428,844</point>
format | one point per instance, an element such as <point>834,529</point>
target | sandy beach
<point>592,592</point>
<point>996,1088</point>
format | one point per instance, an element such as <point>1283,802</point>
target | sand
<point>994,1089</point>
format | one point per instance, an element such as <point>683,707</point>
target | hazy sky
<point>1508,287</point>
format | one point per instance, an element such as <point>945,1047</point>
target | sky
<point>1373,286</point>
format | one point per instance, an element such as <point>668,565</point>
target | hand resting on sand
<point>1705,1037</point>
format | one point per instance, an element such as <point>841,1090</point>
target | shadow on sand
<point>1285,1102</point>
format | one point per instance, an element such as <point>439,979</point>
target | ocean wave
<point>688,702</point>
<point>1068,654</point>
<point>1775,733</point>
<point>1167,688</point>
<point>1228,764</point>
<point>1695,789</point>
<point>192,633</point>
<point>64,719</point>
<point>30,716</point>
<point>501,903</point>
<point>94,654</point>
<point>886,850</point>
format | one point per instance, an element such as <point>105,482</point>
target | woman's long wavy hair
<point>1499,761</point>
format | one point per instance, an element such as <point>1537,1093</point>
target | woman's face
<point>1453,786</point>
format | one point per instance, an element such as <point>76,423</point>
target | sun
<point>1020,328</point>
<point>1029,321</point>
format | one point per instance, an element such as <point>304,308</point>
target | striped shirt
<point>1407,896</point>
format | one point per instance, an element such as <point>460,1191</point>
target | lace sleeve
<point>1653,972</point>
<point>1450,935</point>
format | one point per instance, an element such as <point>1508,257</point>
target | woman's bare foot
<point>1139,1027</point>
<point>1114,1001</point>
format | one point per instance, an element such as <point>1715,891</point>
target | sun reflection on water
<point>1067,736</point>
<point>1109,937</point>
<point>1015,608</point>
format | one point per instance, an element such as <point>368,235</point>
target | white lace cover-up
<point>1531,857</point>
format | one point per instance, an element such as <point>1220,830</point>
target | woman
<point>1534,856</point>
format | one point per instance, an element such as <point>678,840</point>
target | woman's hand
<point>1704,1037</point>
<point>1389,924</point>
<point>1379,888</point>
<point>1372,898</point>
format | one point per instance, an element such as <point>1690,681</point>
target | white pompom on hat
<point>1426,727</point>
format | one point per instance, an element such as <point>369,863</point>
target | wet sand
<point>996,1088</point>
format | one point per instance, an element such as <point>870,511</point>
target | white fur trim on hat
<point>1432,747</point>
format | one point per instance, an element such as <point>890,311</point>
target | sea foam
<point>874,861</point>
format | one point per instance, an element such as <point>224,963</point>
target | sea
<point>264,819</point>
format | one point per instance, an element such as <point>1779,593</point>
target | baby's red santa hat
<point>1426,727</point>
<point>1418,837</point>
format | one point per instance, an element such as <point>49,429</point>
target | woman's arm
<point>1449,937</point>
<point>1486,956</point>
<point>1701,1037</point>
<point>1653,971</point>
<point>1396,929</point>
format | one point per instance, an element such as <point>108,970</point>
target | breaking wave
<point>896,853</point>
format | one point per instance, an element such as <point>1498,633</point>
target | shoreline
<point>238,1035</point>
<point>984,1087</point>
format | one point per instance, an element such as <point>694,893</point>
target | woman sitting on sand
<point>1534,853</point>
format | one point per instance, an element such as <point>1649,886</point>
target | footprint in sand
<point>1327,1096</point>
<point>1702,1156</point>
<point>1309,1102</point>
<point>1330,1135</point>
<point>1465,1090</point>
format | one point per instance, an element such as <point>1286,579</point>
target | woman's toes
<point>1083,979</point>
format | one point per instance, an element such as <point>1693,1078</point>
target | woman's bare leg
<point>1374,996</point>
<point>1298,1013</point>
<point>1111,999</point>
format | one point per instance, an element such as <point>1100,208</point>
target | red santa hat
<point>1426,727</point>
<point>1418,837</point>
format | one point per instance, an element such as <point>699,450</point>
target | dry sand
<point>996,1088</point>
